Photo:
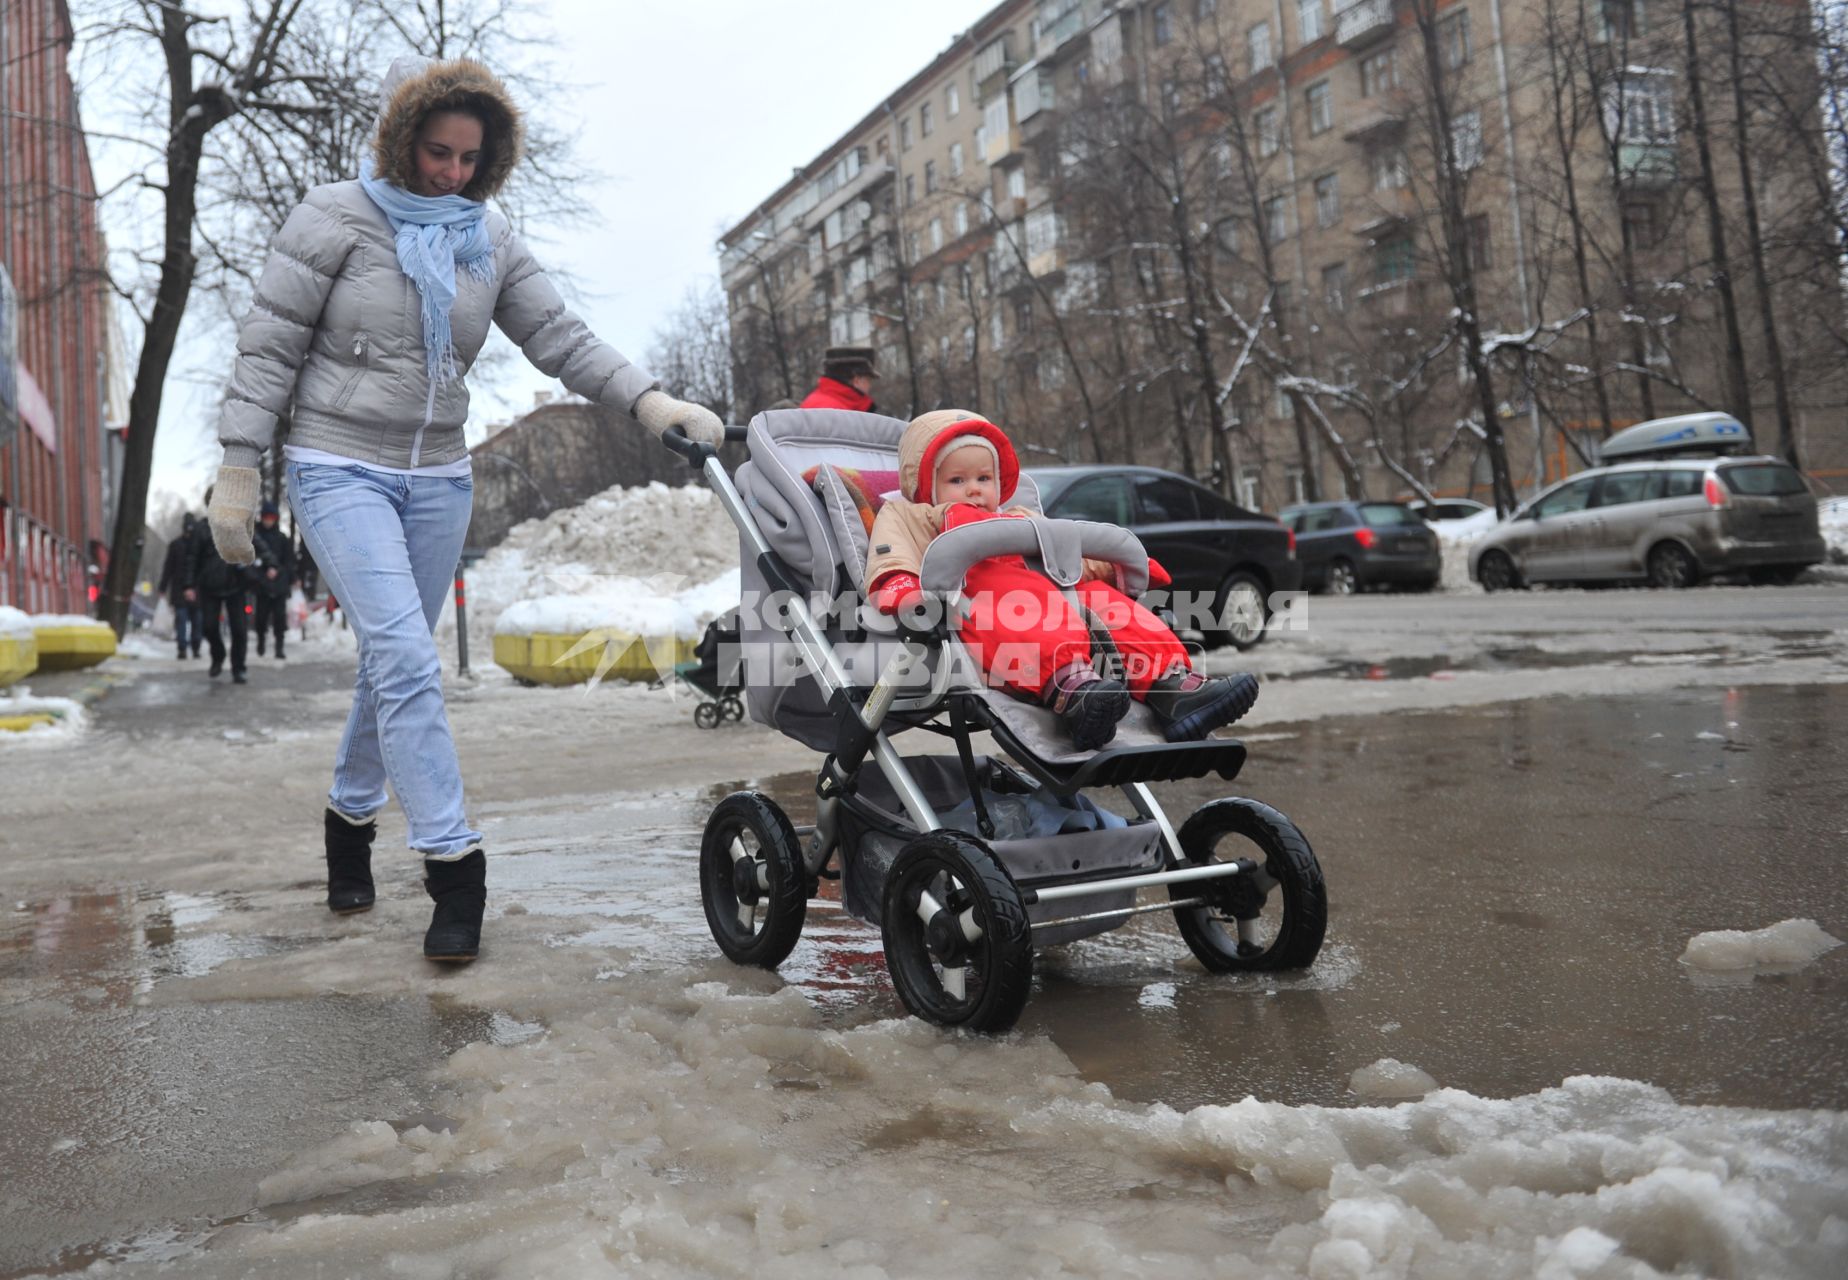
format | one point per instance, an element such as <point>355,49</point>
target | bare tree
<point>691,350</point>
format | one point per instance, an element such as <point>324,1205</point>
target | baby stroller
<point>966,862</point>
<point>713,674</point>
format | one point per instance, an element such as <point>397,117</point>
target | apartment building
<point>59,387</point>
<point>1218,235</point>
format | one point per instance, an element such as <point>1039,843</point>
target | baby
<point>954,468</point>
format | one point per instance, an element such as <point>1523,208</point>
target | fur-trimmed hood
<point>414,88</point>
<point>925,437</point>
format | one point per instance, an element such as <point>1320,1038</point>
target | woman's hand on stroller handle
<point>697,451</point>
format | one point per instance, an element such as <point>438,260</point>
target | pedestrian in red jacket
<point>847,377</point>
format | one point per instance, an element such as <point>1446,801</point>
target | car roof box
<point>1689,435</point>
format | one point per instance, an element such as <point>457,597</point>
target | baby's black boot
<point>1088,705</point>
<point>1190,705</point>
<point>349,862</point>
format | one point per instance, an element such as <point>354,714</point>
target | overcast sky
<point>692,112</point>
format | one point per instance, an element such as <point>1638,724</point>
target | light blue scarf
<point>434,234</point>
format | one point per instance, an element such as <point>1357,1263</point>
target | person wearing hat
<point>376,299</point>
<point>956,467</point>
<point>275,571</point>
<point>847,377</point>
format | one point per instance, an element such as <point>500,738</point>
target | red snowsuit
<point>1022,629</point>
<point>832,393</point>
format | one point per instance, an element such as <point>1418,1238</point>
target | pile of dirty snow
<point>1454,541</point>
<point>44,621</point>
<point>68,717</point>
<point>1786,944</point>
<point>1832,515</point>
<point>652,559</point>
<point>14,622</point>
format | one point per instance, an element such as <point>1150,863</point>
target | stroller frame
<point>963,907</point>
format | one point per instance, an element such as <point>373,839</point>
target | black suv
<point>1209,546</point>
<point>1349,546</point>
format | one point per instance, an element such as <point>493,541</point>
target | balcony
<point>1375,124</point>
<point>871,175</point>
<point>1364,22</point>
<point>1649,165</point>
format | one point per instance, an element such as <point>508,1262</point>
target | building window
<point>1642,224</point>
<point>1042,232</point>
<point>1164,23</point>
<point>952,102</point>
<point>1257,48</point>
<point>1205,9</point>
<point>1280,401</point>
<point>1023,316</point>
<point>1170,99</point>
<point>930,177</point>
<point>1293,484</point>
<point>1619,20</point>
<point>1309,20</point>
<point>1335,287</point>
<point>924,120</point>
<point>1223,160</point>
<point>936,234</point>
<point>997,331</point>
<point>1327,200</point>
<point>911,188</point>
<point>1389,173</point>
<point>941,292</point>
<point>1264,124</point>
<point>911,246</point>
<point>1248,488</point>
<point>956,159</point>
<point>1481,257</point>
<point>1393,260</point>
<point>1017,184</point>
<point>1276,219</point>
<point>1216,81</point>
<point>1453,39</point>
<point>1641,109</point>
<point>1379,72</point>
<point>960,220</point>
<point>904,133</point>
<point>1321,108</point>
<point>1466,139</point>
<point>1225,231</point>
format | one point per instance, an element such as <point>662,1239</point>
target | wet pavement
<point>1511,887</point>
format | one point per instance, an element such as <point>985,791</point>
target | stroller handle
<point>1059,545</point>
<point>695,452</point>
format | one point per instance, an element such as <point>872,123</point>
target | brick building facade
<point>987,228</point>
<point>57,451</point>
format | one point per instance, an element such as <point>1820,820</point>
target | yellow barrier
<point>573,659</point>
<point>28,720</point>
<point>18,657</point>
<point>72,648</point>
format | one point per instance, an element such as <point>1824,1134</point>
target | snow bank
<point>1454,540</point>
<point>706,1127</point>
<point>71,720</point>
<point>1390,1078</point>
<point>1788,943</point>
<point>14,622</point>
<point>1832,515</point>
<point>654,555</point>
<point>41,620</point>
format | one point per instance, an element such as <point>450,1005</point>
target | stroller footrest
<point>1165,762</point>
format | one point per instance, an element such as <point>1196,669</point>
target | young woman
<point>374,303</point>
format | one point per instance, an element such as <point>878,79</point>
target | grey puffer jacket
<point>336,325</point>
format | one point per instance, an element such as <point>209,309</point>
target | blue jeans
<point>387,547</point>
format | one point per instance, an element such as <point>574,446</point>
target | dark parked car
<point>1349,546</point>
<point>1214,550</point>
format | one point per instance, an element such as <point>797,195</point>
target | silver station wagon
<point>1667,521</point>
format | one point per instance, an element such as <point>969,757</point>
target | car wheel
<point>1672,565</point>
<point>1342,579</point>
<point>1241,606</point>
<point>1496,572</point>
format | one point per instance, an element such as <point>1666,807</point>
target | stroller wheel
<point>957,940</point>
<point>731,708</point>
<point>707,715</point>
<point>1262,921</point>
<point>751,880</point>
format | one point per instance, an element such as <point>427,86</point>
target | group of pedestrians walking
<point>211,597</point>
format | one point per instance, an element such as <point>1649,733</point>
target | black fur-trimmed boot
<point>1190,705</point>
<point>1089,705</point>
<point>459,887</point>
<point>349,863</point>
